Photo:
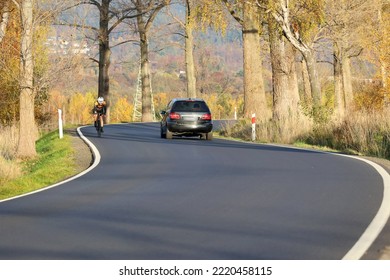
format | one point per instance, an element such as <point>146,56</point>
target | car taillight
<point>174,116</point>
<point>206,117</point>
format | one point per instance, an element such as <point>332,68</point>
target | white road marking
<point>382,216</point>
<point>380,219</point>
<point>96,161</point>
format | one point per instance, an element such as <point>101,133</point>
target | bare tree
<point>111,14</point>
<point>284,80</point>
<point>145,18</point>
<point>186,27</point>
<point>247,14</point>
<point>189,50</point>
<point>281,11</point>
<point>344,21</point>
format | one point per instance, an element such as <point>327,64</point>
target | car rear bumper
<point>190,128</point>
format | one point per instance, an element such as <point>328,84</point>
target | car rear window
<point>190,106</point>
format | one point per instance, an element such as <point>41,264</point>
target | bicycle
<point>99,125</point>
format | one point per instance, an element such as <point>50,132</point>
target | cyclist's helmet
<point>100,100</point>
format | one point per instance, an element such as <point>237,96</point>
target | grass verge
<point>55,161</point>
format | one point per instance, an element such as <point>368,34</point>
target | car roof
<point>187,99</point>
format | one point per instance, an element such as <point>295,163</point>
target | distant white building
<point>58,45</point>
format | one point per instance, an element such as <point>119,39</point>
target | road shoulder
<point>82,152</point>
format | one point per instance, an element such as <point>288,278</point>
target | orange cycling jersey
<point>101,108</point>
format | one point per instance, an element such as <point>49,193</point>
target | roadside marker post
<point>60,128</point>
<point>253,127</point>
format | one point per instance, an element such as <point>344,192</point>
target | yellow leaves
<point>161,99</point>
<point>369,100</point>
<point>80,108</point>
<point>307,15</point>
<point>222,106</point>
<point>210,14</point>
<point>122,110</point>
<point>211,100</point>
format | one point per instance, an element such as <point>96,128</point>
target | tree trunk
<point>254,95</point>
<point>283,18</point>
<point>315,85</point>
<point>338,85</point>
<point>189,55</point>
<point>382,55</point>
<point>347,82</point>
<point>293,80</point>
<point>145,73</point>
<point>280,83</point>
<point>144,26</point>
<point>384,74</point>
<point>306,84</point>
<point>284,80</point>
<point>27,128</point>
<point>104,55</point>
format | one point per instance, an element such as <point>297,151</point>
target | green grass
<point>55,161</point>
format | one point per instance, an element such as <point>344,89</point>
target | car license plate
<point>190,119</point>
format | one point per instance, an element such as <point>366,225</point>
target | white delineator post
<point>235,113</point>
<point>253,127</point>
<point>60,128</point>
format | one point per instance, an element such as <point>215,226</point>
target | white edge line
<point>380,219</point>
<point>382,216</point>
<point>96,161</point>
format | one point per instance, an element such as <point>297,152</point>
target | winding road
<point>185,198</point>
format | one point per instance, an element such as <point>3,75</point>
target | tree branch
<point>233,12</point>
<point>77,26</point>
<point>124,42</point>
<point>16,4</point>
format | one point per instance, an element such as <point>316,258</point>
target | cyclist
<point>99,109</point>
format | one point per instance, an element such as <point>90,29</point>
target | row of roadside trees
<point>309,31</point>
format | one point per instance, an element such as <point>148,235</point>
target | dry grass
<point>285,131</point>
<point>9,167</point>
<point>268,131</point>
<point>362,132</point>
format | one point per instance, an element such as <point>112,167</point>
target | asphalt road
<point>152,198</point>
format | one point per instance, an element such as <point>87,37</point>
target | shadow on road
<point>150,133</point>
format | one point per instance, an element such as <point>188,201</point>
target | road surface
<point>152,198</point>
